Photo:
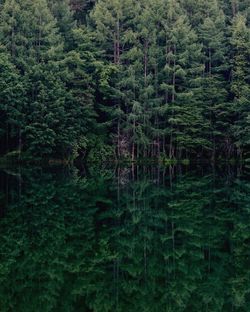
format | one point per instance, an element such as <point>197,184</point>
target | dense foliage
<point>149,239</point>
<point>125,79</point>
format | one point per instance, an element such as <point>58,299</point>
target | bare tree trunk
<point>145,84</point>
<point>210,62</point>
<point>133,151</point>
<point>234,7</point>
<point>171,145</point>
<point>174,75</point>
<point>118,42</point>
<point>145,62</point>
<point>114,48</point>
<point>12,42</point>
<point>171,154</point>
<point>118,138</point>
<point>39,39</point>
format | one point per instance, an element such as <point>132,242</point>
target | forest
<point>125,79</point>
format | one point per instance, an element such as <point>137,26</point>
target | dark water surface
<point>125,239</point>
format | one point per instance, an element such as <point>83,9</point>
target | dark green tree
<point>12,106</point>
<point>241,83</point>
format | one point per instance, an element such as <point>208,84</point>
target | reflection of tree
<point>141,241</point>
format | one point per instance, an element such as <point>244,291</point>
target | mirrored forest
<point>125,239</point>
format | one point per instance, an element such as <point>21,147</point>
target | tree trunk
<point>118,138</point>
<point>210,62</point>
<point>118,42</point>
<point>234,7</point>
<point>174,76</point>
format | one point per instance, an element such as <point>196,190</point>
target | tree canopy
<point>125,79</point>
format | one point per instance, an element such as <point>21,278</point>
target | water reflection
<point>125,239</point>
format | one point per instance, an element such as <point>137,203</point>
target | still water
<point>125,239</point>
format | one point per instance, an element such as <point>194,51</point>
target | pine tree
<point>109,18</point>
<point>65,23</point>
<point>28,30</point>
<point>214,91</point>
<point>241,83</point>
<point>84,74</point>
<point>181,84</point>
<point>12,106</point>
<point>81,9</point>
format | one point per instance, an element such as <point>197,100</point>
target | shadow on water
<point>125,239</point>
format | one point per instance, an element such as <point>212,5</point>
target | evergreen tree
<point>181,84</point>
<point>81,9</point>
<point>214,89</point>
<point>12,106</point>
<point>241,83</point>
<point>64,16</point>
<point>29,32</point>
<point>153,79</point>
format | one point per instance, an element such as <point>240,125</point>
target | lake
<point>141,238</point>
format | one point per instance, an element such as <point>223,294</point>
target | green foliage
<point>124,240</point>
<point>241,82</point>
<point>12,104</point>
<point>98,150</point>
<point>152,79</point>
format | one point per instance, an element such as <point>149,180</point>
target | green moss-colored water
<point>125,239</point>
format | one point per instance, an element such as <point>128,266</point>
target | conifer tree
<point>12,106</point>
<point>181,83</point>
<point>28,30</point>
<point>64,16</point>
<point>214,92</point>
<point>241,83</point>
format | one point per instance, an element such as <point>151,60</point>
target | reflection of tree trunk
<point>7,137</point>
<point>145,243</point>
<point>116,281</point>
<point>145,259</point>
<point>7,191</point>
<point>19,142</point>
<point>4,205</point>
<point>209,259</point>
<point>20,185</point>
<point>173,244</point>
<point>117,224</point>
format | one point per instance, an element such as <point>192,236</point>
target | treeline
<point>125,79</point>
